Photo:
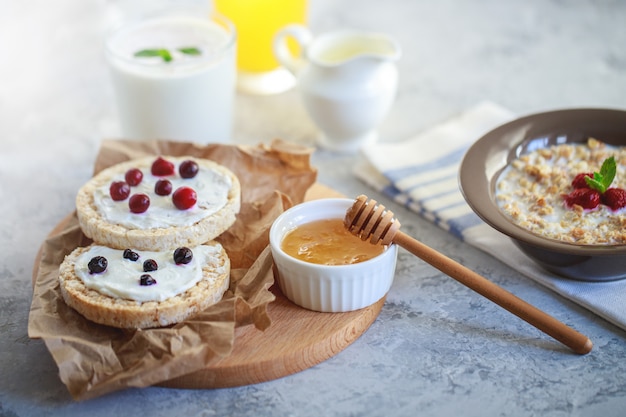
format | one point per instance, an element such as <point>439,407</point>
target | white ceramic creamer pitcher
<point>347,79</point>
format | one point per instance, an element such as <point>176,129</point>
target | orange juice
<point>257,21</point>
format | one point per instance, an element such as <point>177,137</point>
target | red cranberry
<point>163,187</point>
<point>188,169</point>
<point>184,198</point>
<point>139,203</point>
<point>162,167</point>
<point>133,176</point>
<point>119,190</point>
<point>183,255</point>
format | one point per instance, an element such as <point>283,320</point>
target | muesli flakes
<point>531,188</point>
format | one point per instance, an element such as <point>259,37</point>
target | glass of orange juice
<point>257,21</point>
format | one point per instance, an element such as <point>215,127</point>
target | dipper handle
<point>368,220</point>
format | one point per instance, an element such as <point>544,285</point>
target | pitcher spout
<point>339,48</point>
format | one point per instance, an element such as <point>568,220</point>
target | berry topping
<point>133,176</point>
<point>615,198</point>
<point>150,265</point>
<point>188,169</point>
<point>119,190</point>
<point>183,255</point>
<point>163,187</point>
<point>146,279</point>
<point>592,188</point>
<point>129,254</point>
<point>579,180</point>
<point>162,167</point>
<point>601,180</point>
<point>139,203</point>
<point>184,198</point>
<point>97,264</point>
<point>587,198</point>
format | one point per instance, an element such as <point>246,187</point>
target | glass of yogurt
<point>174,77</point>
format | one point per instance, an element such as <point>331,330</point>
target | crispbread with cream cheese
<point>122,312</point>
<point>149,231</point>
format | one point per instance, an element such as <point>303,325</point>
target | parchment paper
<point>95,359</point>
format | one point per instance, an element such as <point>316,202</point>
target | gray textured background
<point>437,349</point>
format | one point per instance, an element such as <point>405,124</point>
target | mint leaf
<point>608,171</point>
<point>190,51</point>
<point>147,53</point>
<point>165,54</point>
<point>161,52</point>
<point>603,179</point>
<point>595,184</point>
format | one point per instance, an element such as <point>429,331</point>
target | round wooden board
<point>297,339</point>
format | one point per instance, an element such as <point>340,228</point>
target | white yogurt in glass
<point>187,99</point>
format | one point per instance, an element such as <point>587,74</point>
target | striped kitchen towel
<point>422,174</point>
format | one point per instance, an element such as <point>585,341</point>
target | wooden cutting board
<point>297,339</point>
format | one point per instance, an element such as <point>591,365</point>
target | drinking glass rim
<point>212,17</point>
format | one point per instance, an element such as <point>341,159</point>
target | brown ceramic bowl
<point>484,161</point>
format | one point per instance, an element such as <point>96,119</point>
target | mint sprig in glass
<point>165,53</point>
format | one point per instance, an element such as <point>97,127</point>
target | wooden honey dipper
<point>370,221</point>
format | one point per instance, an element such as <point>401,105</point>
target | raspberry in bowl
<point>526,179</point>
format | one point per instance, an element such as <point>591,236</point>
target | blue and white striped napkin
<point>422,174</point>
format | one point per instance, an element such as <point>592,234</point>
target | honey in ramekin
<point>328,242</point>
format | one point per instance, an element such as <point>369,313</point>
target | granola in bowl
<point>485,161</point>
<point>533,189</point>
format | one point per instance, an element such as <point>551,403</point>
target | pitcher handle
<point>302,36</point>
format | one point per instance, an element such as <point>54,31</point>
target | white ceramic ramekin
<point>328,288</point>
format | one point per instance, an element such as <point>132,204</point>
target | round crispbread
<point>95,226</point>
<point>130,314</point>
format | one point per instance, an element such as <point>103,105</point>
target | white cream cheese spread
<point>121,279</point>
<point>212,188</point>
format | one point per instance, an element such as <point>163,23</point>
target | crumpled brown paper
<point>95,359</point>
